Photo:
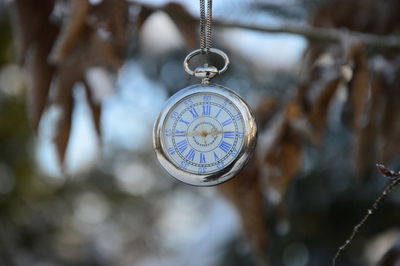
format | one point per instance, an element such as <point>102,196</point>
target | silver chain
<point>205,26</point>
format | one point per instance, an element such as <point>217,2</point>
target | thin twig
<point>395,177</point>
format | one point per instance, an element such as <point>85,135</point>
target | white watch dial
<point>203,133</point>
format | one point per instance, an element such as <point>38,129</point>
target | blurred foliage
<point>311,180</point>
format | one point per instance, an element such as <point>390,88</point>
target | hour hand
<point>194,133</point>
<point>202,133</point>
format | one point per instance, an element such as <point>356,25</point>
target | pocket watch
<point>206,133</point>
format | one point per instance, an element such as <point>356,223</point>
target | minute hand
<point>205,133</point>
<point>216,132</point>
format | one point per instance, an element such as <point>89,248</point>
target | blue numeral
<point>220,165</point>
<point>207,98</point>
<point>225,146</point>
<point>227,122</point>
<point>194,113</point>
<point>237,117</point>
<point>206,110</point>
<point>234,152</point>
<point>202,158</point>
<point>188,102</point>
<point>185,122</point>
<point>174,116</point>
<point>218,113</point>
<point>179,133</point>
<point>201,170</point>
<point>229,134</point>
<point>168,132</point>
<point>184,164</point>
<point>240,135</point>
<point>182,145</point>
<point>190,155</point>
<point>216,158</point>
<point>171,150</point>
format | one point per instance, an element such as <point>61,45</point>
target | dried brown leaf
<point>68,75</point>
<point>111,17</point>
<point>282,161</point>
<point>356,15</point>
<point>71,32</point>
<point>358,86</point>
<point>390,125</point>
<point>265,111</point>
<point>95,108</point>
<point>72,71</point>
<point>69,72</point>
<point>40,75</point>
<point>280,150</point>
<point>366,137</point>
<point>35,46</point>
<point>28,24</point>
<point>94,52</point>
<point>99,52</point>
<point>245,193</point>
<point>319,110</point>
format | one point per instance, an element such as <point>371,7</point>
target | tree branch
<point>333,35</point>
<point>385,42</point>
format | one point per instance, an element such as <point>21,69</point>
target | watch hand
<point>216,132</point>
<point>196,133</point>
<point>204,134</point>
<point>192,133</point>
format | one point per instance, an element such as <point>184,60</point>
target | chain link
<point>205,26</point>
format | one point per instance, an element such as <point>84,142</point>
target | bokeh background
<point>82,81</point>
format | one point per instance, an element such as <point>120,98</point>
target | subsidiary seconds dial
<point>204,135</point>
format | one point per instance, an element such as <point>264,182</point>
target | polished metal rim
<point>230,170</point>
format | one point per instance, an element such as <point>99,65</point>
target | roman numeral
<point>206,110</point>
<point>190,155</point>
<point>171,151</point>
<point>234,152</point>
<point>227,122</point>
<point>207,98</point>
<point>218,113</point>
<point>183,164</point>
<point>174,116</point>
<point>185,122</point>
<point>202,158</point>
<point>194,113</point>
<point>229,135</point>
<point>179,133</point>
<point>225,146</point>
<point>201,170</point>
<point>216,158</point>
<point>182,145</point>
<point>237,117</point>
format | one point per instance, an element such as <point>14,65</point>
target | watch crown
<point>206,73</point>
